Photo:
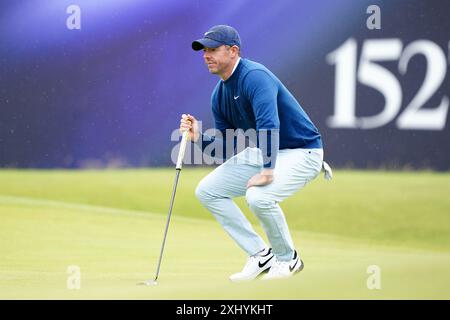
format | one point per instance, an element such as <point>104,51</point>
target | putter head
<point>148,283</point>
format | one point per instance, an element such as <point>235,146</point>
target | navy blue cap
<point>217,36</point>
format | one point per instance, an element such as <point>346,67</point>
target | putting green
<point>115,247</point>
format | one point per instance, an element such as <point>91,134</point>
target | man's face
<point>219,59</point>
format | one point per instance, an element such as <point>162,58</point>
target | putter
<point>178,167</point>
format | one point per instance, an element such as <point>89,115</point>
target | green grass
<point>110,223</point>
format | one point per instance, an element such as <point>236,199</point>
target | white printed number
<point>379,78</point>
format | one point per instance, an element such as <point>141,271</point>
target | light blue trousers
<point>294,169</point>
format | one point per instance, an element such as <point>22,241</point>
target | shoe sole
<point>291,274</point>
<point>262,273</point>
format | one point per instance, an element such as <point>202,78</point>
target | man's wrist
<point>267,172</point>
<point>196,139</point>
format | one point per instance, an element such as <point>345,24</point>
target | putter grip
<point>182,150</point>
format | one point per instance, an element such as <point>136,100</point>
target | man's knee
<point>201,191</point>
<point>205,190</point>
<point>257,200</point>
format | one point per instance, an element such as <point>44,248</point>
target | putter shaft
<point>178,167</point>
<point>178,170</point>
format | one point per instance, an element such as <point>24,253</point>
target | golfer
<point>288,154</point>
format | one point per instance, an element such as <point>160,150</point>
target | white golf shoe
<point>284,269</point>
<point>255,266</point>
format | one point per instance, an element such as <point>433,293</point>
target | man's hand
<point>190,124</point>
<point>263,178</point>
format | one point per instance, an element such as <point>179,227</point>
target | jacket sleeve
<point>217,144</point>
<point>262,91</point>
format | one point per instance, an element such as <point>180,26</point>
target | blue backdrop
<point>105,82</point>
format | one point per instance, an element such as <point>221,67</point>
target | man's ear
<point>235,50</point>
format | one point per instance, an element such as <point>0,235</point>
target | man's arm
<point>262,92</point>
<point>217,143</point>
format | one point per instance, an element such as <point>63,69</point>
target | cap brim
<point>208,43</point>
